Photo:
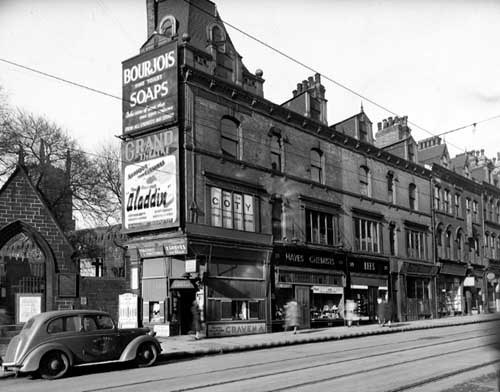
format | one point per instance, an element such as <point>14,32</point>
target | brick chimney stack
<point>309,99</point>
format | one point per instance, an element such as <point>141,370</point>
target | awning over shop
<point>453,269</point>
<point>359,280</point>
<point>419,269</point>
<point>182,284</point>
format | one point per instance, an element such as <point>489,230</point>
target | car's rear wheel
<point>147,354</point>
<point>54,364</point>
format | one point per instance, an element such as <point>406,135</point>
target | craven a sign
<point>150,89</point>
<point>150,181</point>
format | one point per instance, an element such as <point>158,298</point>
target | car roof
<point>42,317</point>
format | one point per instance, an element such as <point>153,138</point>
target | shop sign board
<point>128,315</point>
<point>308,258</point>
<point>28,305</point>
<point>368,266</point>
<point>234,329</point>
<point>469,281</point>
<point>191,265</point>
<point>151,181</point>
<point>175,246</point>
<point>327,290</point>
<point>149,83</point>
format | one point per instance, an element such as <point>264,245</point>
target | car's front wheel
<point>147,354</point>
<point>54,364</point>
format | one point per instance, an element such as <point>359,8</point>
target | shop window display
<point>326,307</point>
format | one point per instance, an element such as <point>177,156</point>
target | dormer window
<point>168,26</point>
<point>217,38</point>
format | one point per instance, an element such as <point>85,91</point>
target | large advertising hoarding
<point>151,181</point>
<point>150,89</point>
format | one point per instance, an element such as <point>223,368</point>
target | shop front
<point>416,290</point>
<point>368,279</point>
<point>315,279</point>
<point>492,275</point>
<point>234,288</point>
<point>450,284</point>
<point>474,290</point>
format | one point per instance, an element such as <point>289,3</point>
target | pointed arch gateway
<point>27,266</point>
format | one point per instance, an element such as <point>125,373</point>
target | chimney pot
<point>482,152</point>
<point>379,126</point>
<point>384,123</point>
<point>317,78</point>
<point>390,121</point>
<point>304,85</point>
<point>299,87</point>
<point>294,92</point>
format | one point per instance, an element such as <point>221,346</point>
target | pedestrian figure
<point>380,311</point>
<point>292,316</point>
<point>195,326</point>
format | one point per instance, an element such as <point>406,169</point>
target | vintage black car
<point>51,343</point>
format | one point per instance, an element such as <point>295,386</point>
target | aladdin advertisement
<point>150,181</point>
<point>150,89</point>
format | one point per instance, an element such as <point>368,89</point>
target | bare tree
<point>60,169</point>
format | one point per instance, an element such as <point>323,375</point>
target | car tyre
<point>146,355</point>
<point>54,364</point>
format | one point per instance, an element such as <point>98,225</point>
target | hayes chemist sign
<point>150,89</point>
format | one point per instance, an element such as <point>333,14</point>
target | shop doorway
<point>302,296</point>
<point>185,300</point>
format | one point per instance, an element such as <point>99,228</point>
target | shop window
<point>322,228</point>
<point>365,181</point>
<point>276,153</point>
<point>232,210</point>
<point>229,268</point>
<point>416,246</point>
<point>230,137</point>
<point>226,309</point>
<point>413,197</point>
<point>367,235</point>
<point>417,288</point>
<point>317,165</point>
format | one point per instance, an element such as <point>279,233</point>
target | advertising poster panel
<point>150,181</point>
<point>149,83</point>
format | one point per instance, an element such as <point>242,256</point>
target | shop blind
<point>154,289</point>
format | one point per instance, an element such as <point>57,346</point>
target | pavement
<point>186,346</point>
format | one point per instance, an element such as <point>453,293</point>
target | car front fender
<point>31,362</point>
<point>130,351</point>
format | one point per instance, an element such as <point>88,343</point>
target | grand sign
<point>302,257</point>
<point>150,181</point>
<point>150,89</point>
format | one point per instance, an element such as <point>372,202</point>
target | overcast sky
<point>436,61</point>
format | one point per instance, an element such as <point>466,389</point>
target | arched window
<point>230,136</point>
<point>317,161</point>
<point>447,243</point>
<point>168,26</point>
<point>365,181</point>
<point>460,245</point>
<point>393,239</point>
<point>413,196</point>
<point>391,187</point>
<point>217,37</point>
<point>439,240</point>
<point>276,153</point>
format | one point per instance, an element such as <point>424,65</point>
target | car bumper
<point>11,367</point>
